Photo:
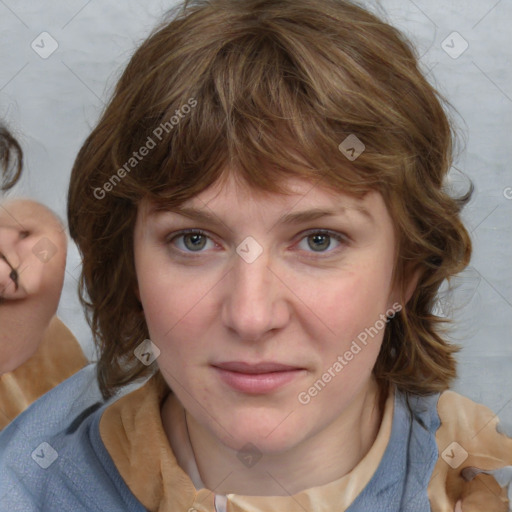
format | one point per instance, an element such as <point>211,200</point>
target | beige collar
<point>132,431</point>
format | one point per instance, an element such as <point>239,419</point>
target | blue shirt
<point>52,457</point>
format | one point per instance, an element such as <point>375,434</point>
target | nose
<point>254,304</point>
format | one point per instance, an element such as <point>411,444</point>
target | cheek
<point>171,331</point>
<point>352,301</point>
<point>175,306</point>
<point>161,292</point>
<point>164,310</point>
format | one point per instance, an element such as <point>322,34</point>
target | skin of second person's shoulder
<point>58,356</point>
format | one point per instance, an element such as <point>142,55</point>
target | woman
<point>264,228</point>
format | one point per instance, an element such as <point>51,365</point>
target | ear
<point>136,291</point>
<point>411,277</point>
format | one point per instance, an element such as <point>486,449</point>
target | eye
<point>194,240</point>
<point>320,240</point>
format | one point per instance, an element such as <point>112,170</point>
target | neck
<point>322,458</point>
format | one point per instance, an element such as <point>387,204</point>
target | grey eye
<point>198,241</point>
<point>320,241</point>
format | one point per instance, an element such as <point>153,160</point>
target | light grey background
<point>52,103</point>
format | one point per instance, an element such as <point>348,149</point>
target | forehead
<point>303,200</point>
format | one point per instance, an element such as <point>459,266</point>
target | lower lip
<point>257,383</point>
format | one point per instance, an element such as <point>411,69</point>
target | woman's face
<point>267,328</point>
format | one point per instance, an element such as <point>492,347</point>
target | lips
<point>242,367</point>
<point>257,379</point>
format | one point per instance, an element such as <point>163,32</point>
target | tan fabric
<point>133,434</point>
<point>132,431</point>
<point>473,427</point>
<point>58,357</point>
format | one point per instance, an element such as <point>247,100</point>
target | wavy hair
<point>276,86</point>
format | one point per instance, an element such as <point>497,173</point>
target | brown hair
<point>11,159</point>
<point>274,87</point>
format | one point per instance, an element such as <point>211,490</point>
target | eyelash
<point>343,239</point>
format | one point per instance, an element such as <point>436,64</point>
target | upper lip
<point>264,367</point>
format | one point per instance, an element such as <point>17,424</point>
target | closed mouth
<point>258,368</point>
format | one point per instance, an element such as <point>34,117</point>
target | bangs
<point>258,104</point>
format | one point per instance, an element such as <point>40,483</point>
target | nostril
<point>14,276</point>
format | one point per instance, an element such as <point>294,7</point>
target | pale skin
<point>294,304</point>
<point>33,246</point>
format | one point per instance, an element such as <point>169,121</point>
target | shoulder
<point>51,413</point>
<point>471,443</point>
<point>58,357</point>
<point>469,447</point>
<point>474,427</point>
<point>423,408</point>
<point>52,457</point>
<point>452,414</point>
<point>456,410</point>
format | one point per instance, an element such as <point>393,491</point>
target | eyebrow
<point>286,219</point>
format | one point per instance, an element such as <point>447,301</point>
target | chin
<point>272,435</point>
